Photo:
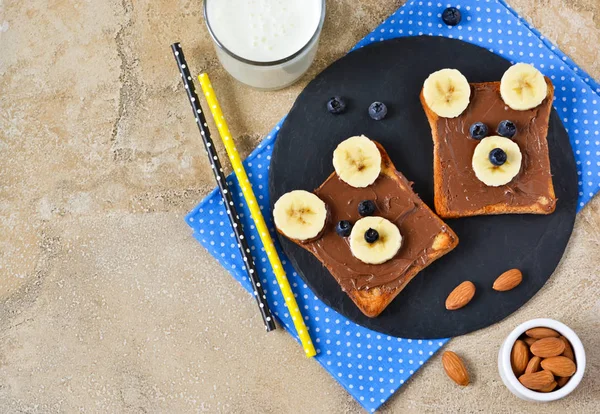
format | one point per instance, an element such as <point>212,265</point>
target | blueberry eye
<point>343,228</point>
<point>497,157</point>
<point>478,130</point>
<point>366,208</point>
<point>506,129</point>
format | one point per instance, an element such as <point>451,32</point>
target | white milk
<point>263,31</point>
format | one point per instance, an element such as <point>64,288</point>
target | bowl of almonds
<point>541,360</point>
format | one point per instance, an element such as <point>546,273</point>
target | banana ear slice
<point>357,161</point>
<point>447,93</point>
<point>300,215</point>
<point>523,87</point>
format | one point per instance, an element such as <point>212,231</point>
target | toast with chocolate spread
<point>472,151</point>
<point>394,205</point>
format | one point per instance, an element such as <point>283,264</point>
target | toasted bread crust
<point>373,301</point>
<point>440,201</point>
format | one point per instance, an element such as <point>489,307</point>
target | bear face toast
<point>377,233</point>
<point>490,147</point>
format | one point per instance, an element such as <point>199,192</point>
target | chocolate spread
<point>418,227</point>
<point>462,190</point>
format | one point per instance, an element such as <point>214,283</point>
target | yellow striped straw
<point>257,216</point>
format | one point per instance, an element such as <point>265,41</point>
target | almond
<point>460,296</point>
<point>561,381</point>
<point>529,341</point>
<point>519,357</point>
<point>455,368</point>
<point>560,366</point>
<point>539,333</point>
<point>548,347</point>
<point>537,380</point>
<point>568,352</point>
<point>550,387</point>
<point>508,280</point>
<point>533,365</point>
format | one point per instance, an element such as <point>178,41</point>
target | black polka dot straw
<point>259,294</point>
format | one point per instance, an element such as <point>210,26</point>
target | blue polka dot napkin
<point>369,365</point>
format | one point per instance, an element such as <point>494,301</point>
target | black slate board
<point>393,72</point>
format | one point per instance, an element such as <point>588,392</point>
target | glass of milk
<point>267,44</point>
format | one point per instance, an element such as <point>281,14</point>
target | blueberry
<point>478,130</point>
<point>451,16</point>
<point>371,236</point>
<point>366,208</point>
<point>336,105</point>
<point>497,156</point>
<point>377,110</point>
<point>343,228</point>
<point>506,129</point>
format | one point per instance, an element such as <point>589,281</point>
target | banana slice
<point>300,215</point>
<point>357,161</point>
<point>447,92</point>
<point>523,87</point>
<point>492,174</point>
<point>385,247</point>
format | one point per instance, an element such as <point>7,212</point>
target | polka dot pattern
<point>369,365</point>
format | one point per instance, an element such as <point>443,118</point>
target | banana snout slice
<point>489,173</point>
<point>447,93</point>
<point>300,215</point>
<point>382,250</point>
<point>357,161</point>
<point>523,87</point>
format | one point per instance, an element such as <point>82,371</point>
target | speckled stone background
<point>107,304</point>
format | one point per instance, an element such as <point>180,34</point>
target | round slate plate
<point>393,72</point>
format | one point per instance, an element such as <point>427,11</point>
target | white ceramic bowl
<point>511,381</point>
